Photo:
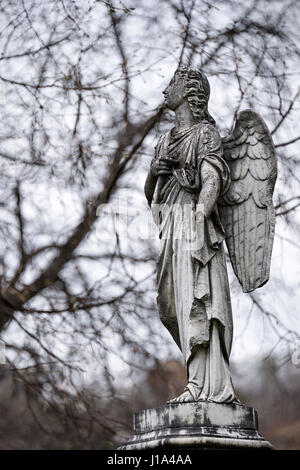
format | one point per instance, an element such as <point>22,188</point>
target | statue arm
<point>149,187</point>
<point>152,177</point>
<point>210,191</point>
<point>159,167</point>
<point>214,172</point>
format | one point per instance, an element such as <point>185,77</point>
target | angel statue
<point>203,189</point>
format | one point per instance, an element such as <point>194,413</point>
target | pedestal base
<point>199,425</point>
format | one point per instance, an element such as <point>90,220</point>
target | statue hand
<point>162,166</point>
<point>198,228</point>
<point>201,212</point>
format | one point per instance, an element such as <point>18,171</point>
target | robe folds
<point>193,291</point>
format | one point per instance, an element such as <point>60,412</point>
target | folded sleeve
<point>210,149</point>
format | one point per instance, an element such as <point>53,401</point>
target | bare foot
<point>185,397</point>
<point>236,401</point>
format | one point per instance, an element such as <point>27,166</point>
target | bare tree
<point>80,109</point>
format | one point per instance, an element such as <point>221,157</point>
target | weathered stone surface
<point>201,425</point>
<point>246,209</point>
<point>196,178</point>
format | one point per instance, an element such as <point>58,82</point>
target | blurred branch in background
<point>80,102</point>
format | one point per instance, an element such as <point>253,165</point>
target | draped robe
<point>193,291</point>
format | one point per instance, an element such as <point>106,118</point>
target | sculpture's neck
<point>184,116</point>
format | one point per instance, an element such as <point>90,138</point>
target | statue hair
<point>197,92</point>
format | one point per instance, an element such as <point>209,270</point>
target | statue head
<point>191,85</point>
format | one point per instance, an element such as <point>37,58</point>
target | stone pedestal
<point>199,425</point>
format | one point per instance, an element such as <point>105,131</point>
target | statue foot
<point>185,397</point>
<point>236,401</point>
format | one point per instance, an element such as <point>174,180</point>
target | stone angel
<point>203,190</point>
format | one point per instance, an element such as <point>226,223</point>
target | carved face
<point>175,93</point>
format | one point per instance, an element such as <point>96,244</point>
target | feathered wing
<point>246,209</point>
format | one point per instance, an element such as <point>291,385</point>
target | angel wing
<point>246,210</point>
